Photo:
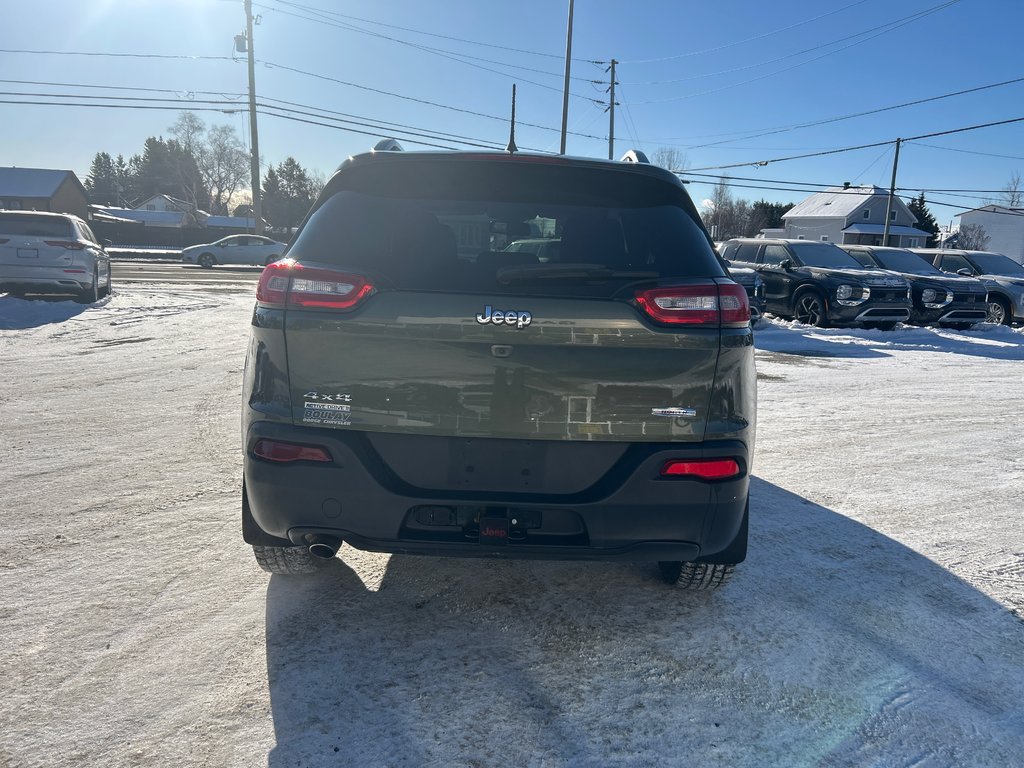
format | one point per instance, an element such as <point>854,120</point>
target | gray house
<point>42,189</point>
<point>853,216</point>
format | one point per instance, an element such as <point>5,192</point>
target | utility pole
<point>257,207</point>
<point>611,114</point>
<point>892,192</point>
<point>565,88</point>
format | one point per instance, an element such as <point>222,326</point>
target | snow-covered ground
<point>876,621</point>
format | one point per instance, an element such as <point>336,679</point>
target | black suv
<point>1002,276</point>
<point>412,387</point>
<point>939,298</point>
<point>821,284</point>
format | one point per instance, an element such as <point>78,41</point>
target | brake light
<point>69,245</point>
<point>710,304</point>
<point>274,450</point>
<point>4,240</point>
<point>272,288</point>
<point>702,469</point>
<point>286,283</point>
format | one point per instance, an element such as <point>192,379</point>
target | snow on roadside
<point>872,623</point>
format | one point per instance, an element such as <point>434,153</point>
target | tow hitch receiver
<point>494,530</point>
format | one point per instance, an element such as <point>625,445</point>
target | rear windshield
<point>34,226</point>
<point>506,227</point>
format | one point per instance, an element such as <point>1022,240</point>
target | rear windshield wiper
<point>527,272</point>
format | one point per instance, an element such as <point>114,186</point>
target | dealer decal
<point>329,409</point>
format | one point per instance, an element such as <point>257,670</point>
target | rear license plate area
<point>28,253</point>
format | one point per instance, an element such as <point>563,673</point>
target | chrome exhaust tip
<point>324,546</point>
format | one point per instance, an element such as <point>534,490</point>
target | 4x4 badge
<point>503,317</point>
<point>676,412</point>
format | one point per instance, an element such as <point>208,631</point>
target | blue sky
<point>691,74</point>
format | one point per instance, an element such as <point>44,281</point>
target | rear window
<point>34,226</point>
<point>506,227</point>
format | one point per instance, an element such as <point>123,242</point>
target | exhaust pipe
<point>324,546</point>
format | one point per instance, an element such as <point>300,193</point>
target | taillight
<point>70,245</point>
<point>702,469</point>
<point>3,240</point>
<point>286,283</point>
<point>275,450</point>
<point>722,304</point>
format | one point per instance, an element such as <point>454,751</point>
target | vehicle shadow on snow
<point>990,341</point>
<point>18,314</point>
<point>833,645</point>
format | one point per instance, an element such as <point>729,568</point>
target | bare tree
<point>317,182</point>
<point>670,158</point>
<point>1012,193</point>
<point>224,164</point>
<point>188,129</point>
<point>972,237</point>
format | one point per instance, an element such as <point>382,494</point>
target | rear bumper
<point>629,513</point>
<point>45,279</point>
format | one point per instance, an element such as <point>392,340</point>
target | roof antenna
<point>512,148</point>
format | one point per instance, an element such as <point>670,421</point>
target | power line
<point>445,54</point>
<point>747,40</point>
<point>119,55</point>
<point>892,26</point>
<point>795,53</point>
<point>970,151</point>
<point>762,163</point>
<point>826,121</point>
<point>444,37</point>
<point>384,125</point>
<point>499,118</point>
<point>502,119</point>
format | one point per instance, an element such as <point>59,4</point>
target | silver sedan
<point>234,249</point>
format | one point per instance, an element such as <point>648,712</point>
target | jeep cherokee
<point>413,387</point>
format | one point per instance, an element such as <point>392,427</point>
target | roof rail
<point>634,156</point>
<point>387,145</point>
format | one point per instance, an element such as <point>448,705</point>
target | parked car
<point>752,284</point>
<point>1002,276</point>
<point>821,284</point>
<point>234,249</point>
<point>403,398</point>
<point>51,253</point>
<point>545,249</point>
<point>939,298</point>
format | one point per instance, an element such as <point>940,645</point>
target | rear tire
<point>91,294</point>
<point>696,576</point>
<point>108,289</point>
<point>288,561</point>
<point>271,259</point>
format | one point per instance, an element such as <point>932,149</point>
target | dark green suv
<point>413,386</point>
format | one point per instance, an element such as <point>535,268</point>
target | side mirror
<point>222,245</point>
<point>965,272</point>
<point>786,264</point>
<point>106,243</point>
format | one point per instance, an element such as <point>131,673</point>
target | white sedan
<point>234,249</point>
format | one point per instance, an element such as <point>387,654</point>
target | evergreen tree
<point>925,221</point>
<point>273,199</point>
<point>102,182</point>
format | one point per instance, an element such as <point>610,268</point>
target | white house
<point>853,216</point>
<point>1004,226</point>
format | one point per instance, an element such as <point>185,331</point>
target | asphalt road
<point>135,272</point>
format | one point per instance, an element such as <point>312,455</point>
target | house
<point>1003,225</point>
<point>850,215</point>
<point>154,218</point>
<point>165,203</point>
<point>42,189</point>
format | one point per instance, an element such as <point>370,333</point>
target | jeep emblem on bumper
<point>502,317</point>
